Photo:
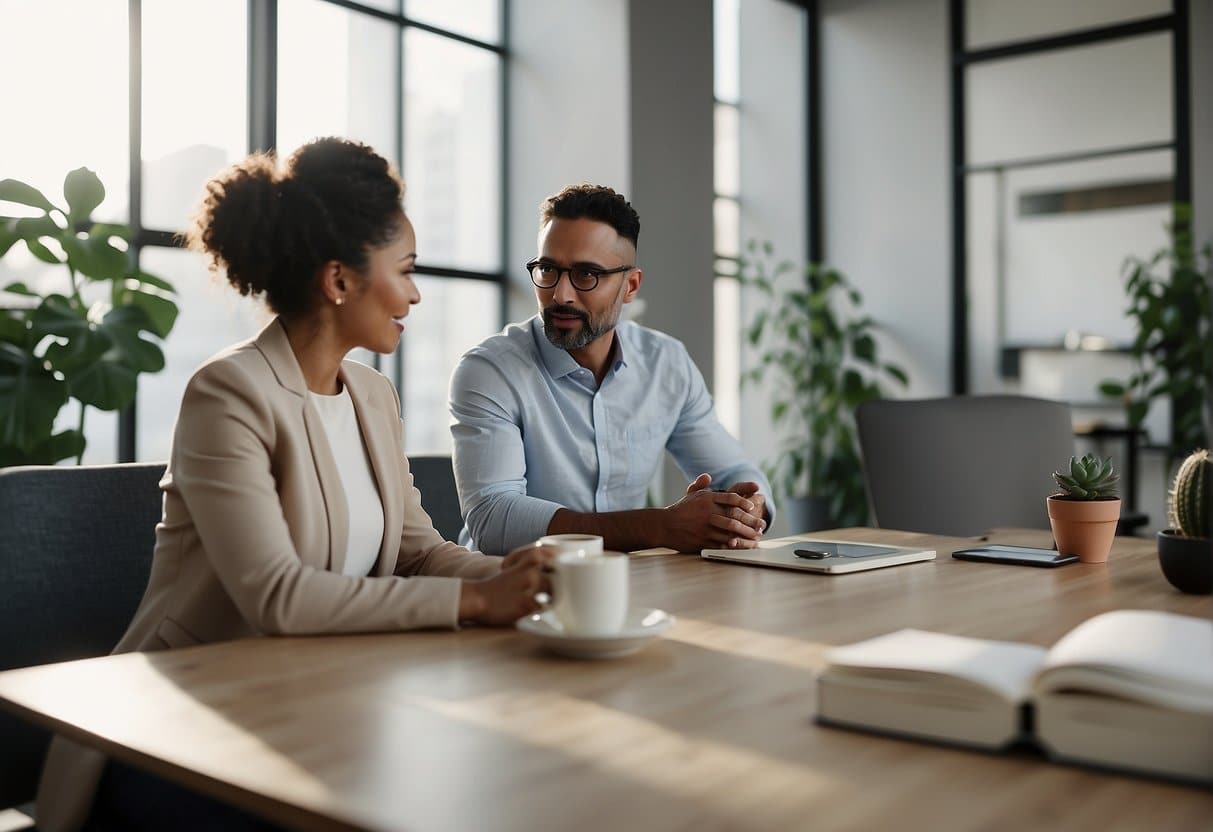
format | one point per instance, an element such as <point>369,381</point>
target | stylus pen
<point>811,554</point>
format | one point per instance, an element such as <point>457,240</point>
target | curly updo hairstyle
<point>271,230</point>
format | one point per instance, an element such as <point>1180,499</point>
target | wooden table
<point>710,728</point>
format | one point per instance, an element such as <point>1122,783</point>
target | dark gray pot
<point>807,514</point>
<point>1187,562</point>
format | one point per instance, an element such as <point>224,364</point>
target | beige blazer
<point>253,536</point>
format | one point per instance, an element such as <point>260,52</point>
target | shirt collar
<point>559,363</point>
<point>622,330</point>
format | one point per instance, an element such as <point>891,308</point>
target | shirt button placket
<point>601,429</point>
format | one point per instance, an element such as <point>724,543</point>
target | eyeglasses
<point>546,275</point>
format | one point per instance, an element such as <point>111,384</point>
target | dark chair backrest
<point>963,465</point>
<point>75,554</point>
<point>435,477</point>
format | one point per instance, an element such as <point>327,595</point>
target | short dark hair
<point>593,202</point>
<point>271,230</point>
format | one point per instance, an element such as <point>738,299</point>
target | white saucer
<point>639,628</point>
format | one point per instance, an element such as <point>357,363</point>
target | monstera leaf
<point>62,348</point>
<point>30,398</point>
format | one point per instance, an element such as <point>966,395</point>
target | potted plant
<point>1084,514</point>
<point>86,340</point>
<point>1171,302</point>
<point>824,362</point>
<point>1185,551</point>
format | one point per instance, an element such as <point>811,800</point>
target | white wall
<point>569,114</point>
<point>887,211</point>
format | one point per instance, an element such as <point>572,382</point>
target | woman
<point>288,504</point>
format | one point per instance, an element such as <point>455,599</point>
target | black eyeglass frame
<point>561,271</point>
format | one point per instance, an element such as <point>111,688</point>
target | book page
<point>1152,656</point>
<point>1006,668</point>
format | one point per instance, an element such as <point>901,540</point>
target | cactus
<point>1192,495</point>
<point>1090,478</point>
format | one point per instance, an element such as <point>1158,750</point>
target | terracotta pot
<point>1187,562</point>
<point>1084,527</point>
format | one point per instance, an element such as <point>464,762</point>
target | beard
<point>592,328</point>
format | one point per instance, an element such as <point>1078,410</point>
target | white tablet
<point>831,557</point>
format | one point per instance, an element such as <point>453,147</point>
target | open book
<point>1131,689</point>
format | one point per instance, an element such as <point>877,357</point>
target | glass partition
<point>996,22</point>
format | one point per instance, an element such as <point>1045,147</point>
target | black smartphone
<point>1018,555</point>
<point>821,550</point>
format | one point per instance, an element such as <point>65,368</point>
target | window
<point>995,22</point>
<point>53,123</point>
<point>342,89</point>
<point>419,80</point>
<point>194,108</point>
<point>478,19</point>
<point>455,315</point>
<point>452,156</point>
<point>211,316</point>
<point>726,211</point>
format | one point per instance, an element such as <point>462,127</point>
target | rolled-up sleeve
<point>700,443</point>
<point>490,460</point>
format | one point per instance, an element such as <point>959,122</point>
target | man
<point>560,421</point>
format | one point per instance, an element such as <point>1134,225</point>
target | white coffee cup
<point>591,544</point>
<point>591,592</point>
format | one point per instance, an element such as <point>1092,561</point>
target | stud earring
<point>339,301</point>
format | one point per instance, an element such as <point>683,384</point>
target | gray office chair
<point>435,477</point>
<point>75,554</point>
<point>961,466</point>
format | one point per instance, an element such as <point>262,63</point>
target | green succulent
<point>1192,495</point>
<point>1090,478</point>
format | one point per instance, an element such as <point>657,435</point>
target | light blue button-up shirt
<point>533,432</point>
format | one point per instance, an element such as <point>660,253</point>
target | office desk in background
<point>710,727</point>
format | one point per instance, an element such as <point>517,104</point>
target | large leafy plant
<point>55,345</point>
<point>1170,301</point>
<point>823,360</point>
